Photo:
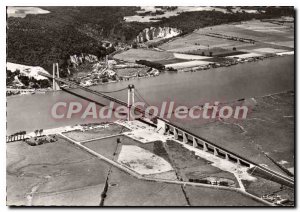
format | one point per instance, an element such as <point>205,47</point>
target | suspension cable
<point>122,89</point>
<point>147,104</point>
<point>141,97</point>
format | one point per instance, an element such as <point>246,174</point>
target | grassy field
<point>142,54</point>
<point>53,174</point>
<point>247,55</point>
<point>190,167</point>
<point>197,41</point>
<point>78,135</point>
<point>146,193</point>
<point>266,187</point>
<point>171,61</point>
<point>213,197</point>
<point>125,190</point>
<point>216,52</point>
<point>106,146</point>
<point>265,33</point>
<point>274,32</point>
<point>188,64</point>
<point>190,56</point>
<point>256,30</point>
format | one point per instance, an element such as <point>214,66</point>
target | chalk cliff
<point>153,33</point>
<point>79,59</point>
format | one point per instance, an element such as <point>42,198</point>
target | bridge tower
<point>106,61</point>
<point>55,74</point>
<point>130,100</point>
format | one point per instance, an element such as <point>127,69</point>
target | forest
<point>40,40</point>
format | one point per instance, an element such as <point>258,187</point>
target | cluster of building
<point>10,91</point>
<point>214,181</point>
<point>111,71</point>
<point>35,141</point>
<point>276,199</point>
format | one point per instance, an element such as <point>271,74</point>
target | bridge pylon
<point>55,74</point>
<point>130,102</point>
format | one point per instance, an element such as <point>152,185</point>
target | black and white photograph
<point>189,106</point>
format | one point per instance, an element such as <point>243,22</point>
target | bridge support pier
<point>184,138</point>
<point>216,152</point>
<point>194,142</point>
<point>130,102</point>
<point>204,147</point>
<point>161,127</point>
<point>226,156</point>
<point>175,133</point>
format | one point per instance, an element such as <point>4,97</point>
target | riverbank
<point>30,112</point>
<point>215,65</point>
<point>234,61</point>
<point>20,92</point>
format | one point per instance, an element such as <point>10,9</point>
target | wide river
<point>274,75</point>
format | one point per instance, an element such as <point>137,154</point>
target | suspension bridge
<point>181,134</point>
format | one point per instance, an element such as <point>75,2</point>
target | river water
<point>274,75</point>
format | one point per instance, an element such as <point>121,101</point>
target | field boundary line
<point>100,138</point>
<point>141,177</point>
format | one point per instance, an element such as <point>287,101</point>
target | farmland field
<point>141,54</point>
<point>190,57</point>
<point>264,33</point>
<point>188,64</point>
<point>246,55</point>
<point>78,135</point>
<point>171,61</point>
<point>196,41</point>
<point>104,146</point>
<point>239,40</point>
<point>256,30</point>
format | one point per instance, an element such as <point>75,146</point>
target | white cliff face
<point>153,33</point>
<point>30,71</point>
<point>76,60</point>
